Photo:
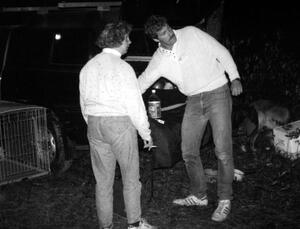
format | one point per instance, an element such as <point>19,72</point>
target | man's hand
<point>236,87</point>
<point>149,144</point>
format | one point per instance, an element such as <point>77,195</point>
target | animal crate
<point>287,139</point>
<point>23,143</point>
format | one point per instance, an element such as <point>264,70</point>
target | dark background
<point>263,37</point>
<point>249,16</point>
<point>241,19</point>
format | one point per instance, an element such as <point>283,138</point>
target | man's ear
<point>156,40</point>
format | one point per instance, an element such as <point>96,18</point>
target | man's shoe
<point>110,227</point>
<point>191,200</point>
<point>222,211</point>
<point>143,225</point>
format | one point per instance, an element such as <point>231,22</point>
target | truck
<point>42,50</point>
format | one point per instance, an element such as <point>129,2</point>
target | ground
<point>267,197</point>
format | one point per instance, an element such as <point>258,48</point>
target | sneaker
<point>110,227</point>
<point>143,225</point>
<point>191,200</point>
<point>222,211</point>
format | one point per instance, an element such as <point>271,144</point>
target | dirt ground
<point>267,197</point>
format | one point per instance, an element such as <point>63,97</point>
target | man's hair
<point>154,24</point>
<point>113,34</point>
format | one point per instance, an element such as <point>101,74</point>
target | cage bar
<point>23,144</point>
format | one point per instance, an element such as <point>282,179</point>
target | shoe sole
<point>190,205</point>
<point>218,220</point>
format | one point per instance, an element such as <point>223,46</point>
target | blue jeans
<point>114,139</point>
<point>214,106</point>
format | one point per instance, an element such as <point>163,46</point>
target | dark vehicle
<point>27,147</point>
<point>18,86</point>
<point>41,59</point>
<point>41,52</point>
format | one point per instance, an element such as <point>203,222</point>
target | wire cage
<point>23,144</point>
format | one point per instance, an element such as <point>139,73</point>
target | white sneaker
<point>222,211</point>
<point>110,227</point>
<point>143,225</point>
<point>192,200</point>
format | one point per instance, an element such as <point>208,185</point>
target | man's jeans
<point>214,106</point>
<point>114,139</point>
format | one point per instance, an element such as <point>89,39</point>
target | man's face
<point>166,36</point>
<point>125,44</point>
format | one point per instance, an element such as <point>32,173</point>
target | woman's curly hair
<point>154,24</point>
<point>113,34</point>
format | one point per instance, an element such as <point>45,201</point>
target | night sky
<point>242,19</point>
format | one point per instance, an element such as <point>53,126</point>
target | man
<point>197,63</point>
<point>112,105</point>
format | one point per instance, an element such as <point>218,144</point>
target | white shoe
<point>110,227</point>
<point>143,225</point>
<point>192,200</point>
<point>222,211</point>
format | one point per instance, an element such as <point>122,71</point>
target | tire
<point>56,144</point>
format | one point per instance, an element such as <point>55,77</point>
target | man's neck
<point>168,47</point>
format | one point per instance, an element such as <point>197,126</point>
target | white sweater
<point>108,87</point>
<point>196,63</point>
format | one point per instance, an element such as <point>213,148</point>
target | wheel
<point>56,144</point>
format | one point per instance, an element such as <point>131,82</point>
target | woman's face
<point>125,44</point>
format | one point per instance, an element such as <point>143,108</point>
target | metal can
<point>154,109</point>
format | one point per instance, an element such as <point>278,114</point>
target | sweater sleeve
<point>87,91</point>
<point>135,105</point>
<point>222,55</point>
<point>151,73</point>
<point>82,92</point>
